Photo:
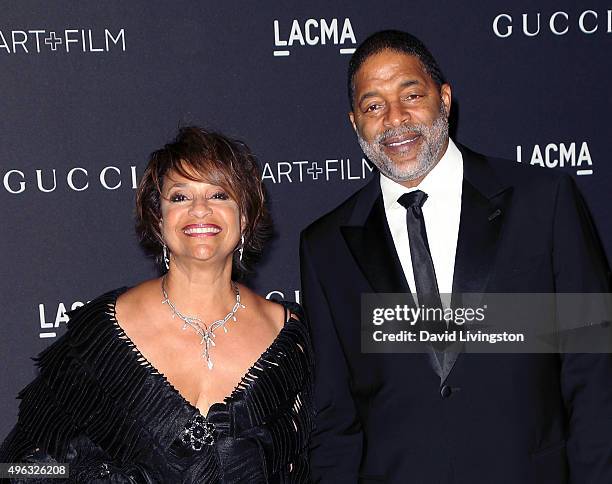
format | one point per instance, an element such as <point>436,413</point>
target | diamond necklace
<point>206,332</point>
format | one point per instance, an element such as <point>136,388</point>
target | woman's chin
<point>209,257</point>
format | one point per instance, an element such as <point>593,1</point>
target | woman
<point>191,377</point>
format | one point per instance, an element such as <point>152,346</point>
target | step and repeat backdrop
<point>89,89</point>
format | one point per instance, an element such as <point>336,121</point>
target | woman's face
<point>200,221</point>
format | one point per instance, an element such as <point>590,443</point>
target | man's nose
<point>396,114</point>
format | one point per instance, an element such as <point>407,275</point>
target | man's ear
<point>352,120</point>
<point>447,97</point>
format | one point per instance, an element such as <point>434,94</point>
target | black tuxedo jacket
<point>506,418</point>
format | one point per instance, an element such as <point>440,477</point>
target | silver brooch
<point>198,432</point>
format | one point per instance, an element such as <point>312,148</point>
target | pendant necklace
<point>206,332</point>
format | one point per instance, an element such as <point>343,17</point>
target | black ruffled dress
<point>99,406</point>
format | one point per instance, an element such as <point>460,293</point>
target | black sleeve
<point>580,266</point>
<point>336,446</point>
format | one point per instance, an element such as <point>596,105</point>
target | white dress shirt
<point>441,211</point>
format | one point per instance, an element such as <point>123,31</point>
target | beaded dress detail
<point>99,406</point>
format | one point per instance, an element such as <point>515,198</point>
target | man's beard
<point>433,140</point>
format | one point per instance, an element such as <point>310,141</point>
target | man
<point>489,226</point>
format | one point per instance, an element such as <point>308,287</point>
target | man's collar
<point>447,173</point>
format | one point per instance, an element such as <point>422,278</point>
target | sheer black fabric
<point>99,406</point>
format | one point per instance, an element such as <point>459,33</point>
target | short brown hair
<point>201,155</point>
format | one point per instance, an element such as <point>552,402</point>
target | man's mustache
<point>399,131</point>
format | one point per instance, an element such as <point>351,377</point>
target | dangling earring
<point>241,249</point>
<point>166,258</point>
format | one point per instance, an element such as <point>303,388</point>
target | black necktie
<point>422,264</point>
<point>424,272</point>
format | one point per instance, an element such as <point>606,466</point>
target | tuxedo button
<point>446,391</point>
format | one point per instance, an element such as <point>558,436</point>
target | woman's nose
<point>200,207</point>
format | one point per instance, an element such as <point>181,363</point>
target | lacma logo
<point>558,155</point>
<point>58,41</point>
<point>337,32</point>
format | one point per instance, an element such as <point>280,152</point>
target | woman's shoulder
<point>293,311</point>
<point>135,303</point>
<point>279,310</point>
<point>90,366</point>
<point>99,310</point>
<point>99,303</point>
<point>93,338</point>
<point>89,327</point>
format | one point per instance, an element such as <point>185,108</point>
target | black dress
<point>99,406</point>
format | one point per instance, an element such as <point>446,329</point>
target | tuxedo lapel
<point>484,203</point>
<point>372,247</point>
<point>370,242</point>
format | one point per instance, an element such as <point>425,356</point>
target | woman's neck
<point>202,291</point>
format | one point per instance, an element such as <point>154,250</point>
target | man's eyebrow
<point>404,84</point>
<point>410,82</point>
<point>367,95</point>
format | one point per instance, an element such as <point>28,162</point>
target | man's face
<point>400,116</point>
